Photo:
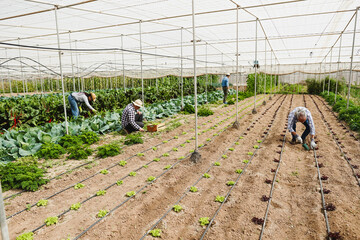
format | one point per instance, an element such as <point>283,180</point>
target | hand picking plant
<point>51,221</point>
<point>177,208</point>
<point>102,213</point>
<point>219,199</point>
<point>151,178</point>
<point>216,164</point>
<point>204,221</point>
<point>122,163</point>
<point>132,174</point>
<point>101,193</point>
<point>26,236</point>
<point>206,175</point>
<point>75,206</point>
<point>42,202</point>
<point>130,194</point>
<point>155,232</point>
<point>79,185</point>
<point>230,183</point>
<point>193,189</point>
<point>104,171</point>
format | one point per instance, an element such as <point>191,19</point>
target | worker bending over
<point>303,115</point>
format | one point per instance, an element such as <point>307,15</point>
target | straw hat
<point>138,103</point>
<point>93,96</point>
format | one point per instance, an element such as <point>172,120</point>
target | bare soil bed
<point>296,206</point>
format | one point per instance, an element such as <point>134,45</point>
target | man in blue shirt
<point>225,86</point>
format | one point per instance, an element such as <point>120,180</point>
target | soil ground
<point>295,211</point>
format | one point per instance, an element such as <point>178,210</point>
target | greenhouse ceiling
<point>290,33</point>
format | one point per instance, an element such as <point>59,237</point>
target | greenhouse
<point>180,119</point>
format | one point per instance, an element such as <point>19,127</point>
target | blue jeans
<point>306,132</point>
<point>74,106</point>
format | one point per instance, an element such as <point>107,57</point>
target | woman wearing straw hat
<point>132,119</point>
<point>82,97</point>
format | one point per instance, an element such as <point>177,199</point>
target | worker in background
<point>82,97</point>
<point>132,118</point>
<point>303,115</point>
<point>225,86</point>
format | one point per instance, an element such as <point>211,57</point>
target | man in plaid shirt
<point>131,119</point>
<point>303,115</point>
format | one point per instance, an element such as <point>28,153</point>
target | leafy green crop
<point>130,194</point>
<point>166,154</point>
<point>79,152</point>
<point>230,183</point>
<point>155,232</point>
<point>208,139</point>
<point>206,175</point>
<point>231,149</point>
<point>239,170</point>
<point>89,137</point>
<point>104,171</point>
<point>219,199</point>
<point>182,157</point>
<point>140,154</point>
<point>259,141</point>
<point>101,193</point>
<point>79,185</point>
<point>193,189</point>
<point>224,156</point>
<point>188,109</point>
<point>216,164</point>
<point>50,150</point>
<point>175,149</point>
<point>167,167</point>
<point>151,178</point>
<point>245,161</point>
<point>134,138</point>
<point>69,141</point>
<point>205,111</point>
<point>250,153</point>
<point>204,221</point>
<point>120,182</point>
<point>156,159</point>
<point>182,145</point>
<point>42,202</point>
<point>51,221</point>
<point>177,208</point>
<point>176,137</point>
<point>154,148</point>
<point>165,141</point>
<point>188,141</point>
<point>102,213</point>
<point>122,163</point>
<point>132,174</point>
<point>183,133</point>
<point>75,206</point>
<point>145,166</point>
<point>237,143</point>
<point>26,236</point>
<point>256,146</point>
<point>108,150</point>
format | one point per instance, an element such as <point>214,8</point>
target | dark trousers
<point>138,120</point>
<point>225,89</point>
<point>306,132</point>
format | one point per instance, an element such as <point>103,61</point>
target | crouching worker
<point>132,119</point>
<point>83,97</point>
<point>303,115</point>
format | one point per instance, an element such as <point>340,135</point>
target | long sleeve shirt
<point>81,97</point>
<point>292,119</point>
<point>225,82</point>
<point>128,117</point>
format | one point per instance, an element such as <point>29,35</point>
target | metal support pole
<point>72,64</point>
<point>61,73</point>
<point>236,124</point>
<point>271,79</point>
<point>255,65</point>
<point>352,59</point>
<point>325,75</point>
<point>4,227</point>
<point>156,80</point>
<point>8,74</point>
<point>181,70</point>
<point>21,68</point>
<point>338,68</point>
<point>264,102</point>
<point>195,157</point>
<point>123,62</point>
<point>3,85</point>
<point>330,70</point>
<point>279,83</point>
<point>141,67</point>
<point>41,80</point>
<point>206,74</point>
<point>77,67</point>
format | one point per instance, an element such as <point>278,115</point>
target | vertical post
<point>264,102</point>
<point>77,67</point>
<point>61,73</point>
<point>8,73</point>
<point>181,70</point>
<point>156,80</point>
<point>21,68</point>
<point>352,59</point>
<point>330,70</point>
<point>278,75</point>
<point>324,74</point>
<point>41,80</point>
<point>237,125</point>
<point>3,86</point>
<point>271,79</point>
<point>4,227</point>
<point>72,64</point>
<point>338,68</point>
<point>115,77</point>
<point>255,66</point>
<point>141,67</point>
<point>123,62</point>
<point>206,74</point>
<point>196,155</point>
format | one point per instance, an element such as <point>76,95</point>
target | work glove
<point>298,139</point>
<point>313,144</point>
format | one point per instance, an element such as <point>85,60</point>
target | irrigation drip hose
<point>198,180</point>
<point>148,184</point>
<point>68,210</point>
<point>274,178</point>
<point>238,178</point>
<point>334,138</point>
<point>337,118</point>
<point>90,176</point>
